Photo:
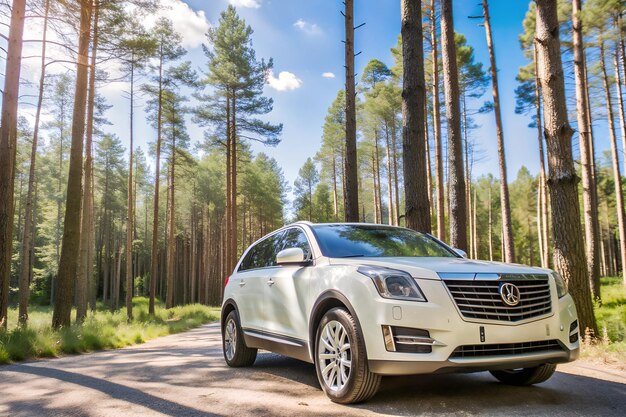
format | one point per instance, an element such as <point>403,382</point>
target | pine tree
<point>456,181</point>
<point>237,78</point>
<point>68,264</point>
<point>569,252</point>
<point>305,184</point>
<point>416,187</point>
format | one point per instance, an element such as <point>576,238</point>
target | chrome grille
<point>480,299</point>
<point>503,349</point>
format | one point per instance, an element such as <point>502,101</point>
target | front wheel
<point>341,361</point>
<point>236,353</point>
<point>526,376</point>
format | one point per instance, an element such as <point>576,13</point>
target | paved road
<point>185,375</point>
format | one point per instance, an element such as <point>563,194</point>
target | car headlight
<point>393,284</point>
<point>561,286</point>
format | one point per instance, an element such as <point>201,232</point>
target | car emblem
<point>510,294</point>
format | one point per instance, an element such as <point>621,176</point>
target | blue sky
<point>304,39</point>
<point>310,49</point>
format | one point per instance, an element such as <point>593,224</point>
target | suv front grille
<point>480,299</point>
<point>503,349</point>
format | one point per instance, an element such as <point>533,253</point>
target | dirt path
<point>185,375</point>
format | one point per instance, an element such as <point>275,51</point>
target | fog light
<point>573,332</point>
<point>388,336</point>
<point>408,340</point>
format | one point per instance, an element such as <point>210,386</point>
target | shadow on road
<point>477,393</point>
<point>117,391</point>
<point>186,375</point>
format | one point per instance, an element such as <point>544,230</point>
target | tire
<point>526,376</point>
<point>236,353</point>
<point>341,365</point>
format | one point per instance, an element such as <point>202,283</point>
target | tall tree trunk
<point>129,213</point>
<point>86,243</point>
<point>417,209</point>
<point>569,251</point>
<point>154,253</point>
<point>233,186</point>
<point>456,181</point>
<point>8,146</point>
<point>351,190</point>
<point>545,215</point>
<point>441,217</point>
<point>396,187</point>
<point>228,236</point>
<point>429,172</point>
<point>507,228</point>
<point>335,199</point>
<point>619,196</point>
<point>490,226</point>
<point>468,180</point>
<point>379,199</point>
<point>68,264</point>
<point>590,206</point>
<point>390,217</point>
<point>620,100</point>
<point>27,252</point>
<point>171,227</point>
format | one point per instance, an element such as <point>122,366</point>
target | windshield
<point>352,240</point>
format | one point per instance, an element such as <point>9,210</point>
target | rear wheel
<point>341,361</point>
<point>236,353</point>
<point>526,376</point>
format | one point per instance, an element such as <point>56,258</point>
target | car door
<point>251,279</point>
<point>286,291</point>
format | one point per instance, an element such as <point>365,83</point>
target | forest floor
<point>102,330</point>
<point>610,347</point>
<point>185,375</point>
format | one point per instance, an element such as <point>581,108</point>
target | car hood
<point>435,268</point>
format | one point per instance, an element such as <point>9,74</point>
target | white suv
<point>362,300</point>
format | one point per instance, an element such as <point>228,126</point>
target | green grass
<point>610,347</point>
<point>102,330</point>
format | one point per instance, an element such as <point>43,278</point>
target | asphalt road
<point>185,375</point>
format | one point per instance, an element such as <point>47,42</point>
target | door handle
<point>242,283</point>
<point>270,282</point>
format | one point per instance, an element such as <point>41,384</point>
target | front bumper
<point>441,318</point>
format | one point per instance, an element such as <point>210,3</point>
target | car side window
<point>263,254</point>
<point>295,238</point>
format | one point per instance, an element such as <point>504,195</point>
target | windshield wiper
<point>352,256</point>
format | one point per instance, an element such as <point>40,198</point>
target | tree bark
<point>154,254</point>
<point>617,176</point>
<point>68,264</point>
<point>27,252</point>
<point>545,215</point>
<point>590,206</point>
<point>569,251</point>
<point>456,181</point>
<point>171,226</point>
<point>441,217</point>
<point>129,213</point>
<point>351,165</point>
<point>86,242</point>
<point>507,228</point>
<point>417,209</point>
<point>233,186</point>
<point>8,146</point>
<point>620,100</point>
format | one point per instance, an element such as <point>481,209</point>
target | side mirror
<point>290,256</point>
<point>460,252</point>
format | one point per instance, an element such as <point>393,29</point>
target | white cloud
<point>328,75</point>
<point>250,4</point>
<point>192,25</point>
<point>286,81</point>
<point>307,27</point>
